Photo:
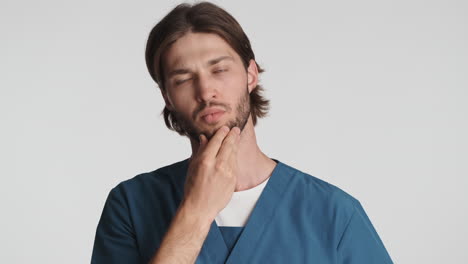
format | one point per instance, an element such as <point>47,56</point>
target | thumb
<point>202,142</point>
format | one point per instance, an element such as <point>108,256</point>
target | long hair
<point>202,17</point>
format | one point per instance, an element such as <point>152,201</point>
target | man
<point>228,202</point>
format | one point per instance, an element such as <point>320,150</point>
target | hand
<point>212,173</point>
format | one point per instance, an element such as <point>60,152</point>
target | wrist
<point>194,217</point>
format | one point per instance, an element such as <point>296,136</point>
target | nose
<point>206,88</point>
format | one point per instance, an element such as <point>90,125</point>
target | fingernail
<point>225,128</point>
<point>238,130</point>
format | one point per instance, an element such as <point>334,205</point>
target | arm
<point>360,243</point>
<point>211,180</point>
<point>184,239</point>
<point>210,183</point>
<point>115,240</point>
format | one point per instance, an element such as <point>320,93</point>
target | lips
<point>212,115</point>
<point>210,111</point>
<point>212,118</point>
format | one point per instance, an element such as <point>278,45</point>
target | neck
<point>254,166</point>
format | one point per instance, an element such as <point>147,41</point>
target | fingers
<point>211,147</point>
<point>229,145</point>
<point>202,143</point>
<point>203,140</point>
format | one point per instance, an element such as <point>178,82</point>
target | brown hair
<point>207,18</point>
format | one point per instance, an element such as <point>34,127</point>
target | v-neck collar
<point>214,248</point>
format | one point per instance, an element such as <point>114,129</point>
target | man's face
<point>207,85</point>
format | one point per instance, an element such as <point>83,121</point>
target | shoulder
<point>328,207</point>
<point>169,176</point>
<point>326,197</point>
<point>317,185</point>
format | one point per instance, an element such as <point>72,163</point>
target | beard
<point>240,120</point>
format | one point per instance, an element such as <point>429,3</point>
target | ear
<point>166,100</point>
<point>252,75</point>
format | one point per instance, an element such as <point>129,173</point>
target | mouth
<point>213,118</point>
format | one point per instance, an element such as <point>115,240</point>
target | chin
<point>211,130</point>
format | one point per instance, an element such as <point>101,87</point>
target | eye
<point>219,70</point>
<point>178,82</point>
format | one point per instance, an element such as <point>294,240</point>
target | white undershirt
<point>242,203</point>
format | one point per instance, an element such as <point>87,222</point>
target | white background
<point>370,96</point>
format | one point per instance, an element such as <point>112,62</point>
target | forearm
<point>184,239</point>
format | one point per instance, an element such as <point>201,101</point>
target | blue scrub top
<point>298,218</point>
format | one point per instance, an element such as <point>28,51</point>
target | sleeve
<point>360,243</point>
<point>115,240</point>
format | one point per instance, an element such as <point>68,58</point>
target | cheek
<point>236,81</point>
<point>181,102</point>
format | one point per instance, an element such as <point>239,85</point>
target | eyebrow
<point>214,61</point>
<point>209,63</point>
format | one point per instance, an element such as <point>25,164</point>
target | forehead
<point>194,47</point>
